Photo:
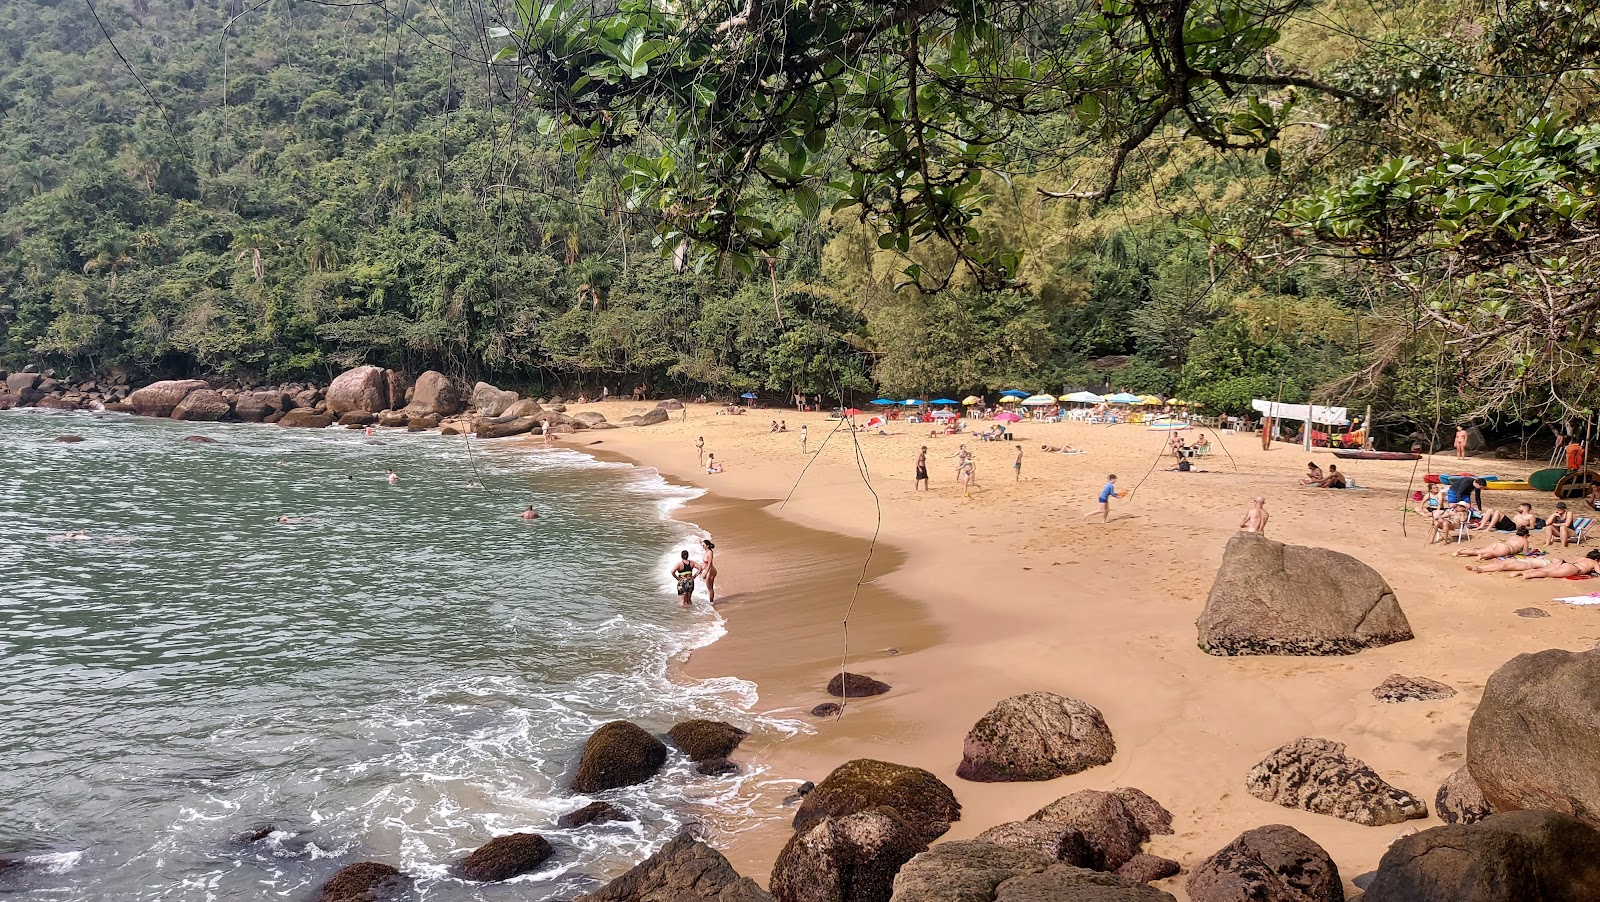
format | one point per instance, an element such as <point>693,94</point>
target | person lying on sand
<point>1059,449</point>
<point>1504,548</point>
<point>1514,564</point>
<point>1587,565</point>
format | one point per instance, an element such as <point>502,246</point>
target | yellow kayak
<point>1509,486</point>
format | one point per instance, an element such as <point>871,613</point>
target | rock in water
<point>1059,841</point>
<point>307,418</point>
<point>1274,863</point>
<point>652,417</point>
<point>1275,599</point>
<point>1317,775</point>
<point>1038,736</point>
<point>618,754</point>
<point>433,394</point>
<point>504,857</point>
<point>160,399</point>
<point>921,799</point>
<point>716,767</point>
<point>1518,856</point>
<point>853,685</point>
<point>67,439</point>
<point>1399,688</point>
<point>365,388</point>
<point>499,429</point>
<point>846,859</point>
<point>1534,742</point>
<point>685,870</point>
<point>827,709</point>
<point>203,405</point>
<point>981,872</point>
<point>1460,801</point>
<point>593,813</point>
<point>252,834</point>
<point>1115,825</point>
<point>365,881</point>
<point>706,740</point>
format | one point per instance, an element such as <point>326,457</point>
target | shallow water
<point>400,678</point>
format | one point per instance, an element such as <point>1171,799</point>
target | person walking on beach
<point>1255,519</point>
<point>700,451</point>
<point>966,475</point>
<point>802,439</point>
<point>708,569</point>
<point>962,455</point>
<point>1461,441</point>
<point>922,470</point>
<point>1016,464</point>
<point>683,572</point>
<point>1108,492</point>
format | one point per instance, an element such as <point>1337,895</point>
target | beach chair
<point>1580,527</point>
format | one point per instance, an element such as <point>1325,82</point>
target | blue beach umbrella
<point>749,394</point>
<point>943,401</point>
<point>1122,398</point>
<point>1016,393</point>
<point>883,401</point>
<point>913,402</point>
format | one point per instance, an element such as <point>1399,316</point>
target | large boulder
<point>589,417</point>
<point>981,872</point>
<point>365,388</point>
<point>523,407</point>
<point>1517,856</point>
<point>685,870</point>
<point>365,881</point>
<point>490,401</point>
<point>1460,801</point>
<point>706,740</point>
<point>1534,742</point>
<point>18,383</point>
<point>504,857</point>
<point>1275,599</point>
<point>203,405</point>
<point>863,784</point>
<point>1037,736</point>
<point>306,418</point>
<point>853,685</point>
<point>651,417</point>
<point>256,406</point>
<point>504,428</point>
<point>434,394</point>
<point>1065,883</point>
<point>1274,863</point>
<point>618,754</point>
<point>846,859</point>
<point>1114,825</point>
<point>160,399</point>
<point>1059,841</point>
<point>1317,775</point>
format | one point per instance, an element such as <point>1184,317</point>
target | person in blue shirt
<point>1107,492</point>
<point>1466,488</point>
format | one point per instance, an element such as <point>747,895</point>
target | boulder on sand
<point>1275,599</point>
<point>685,870</point>
<point>853,685</point>
<point>490,401</point>
<point>523,407</point>
<point>1517,856</point>
<point>980,872</point>
<point>706,740</point>
<point>203,405</point>
<point>651,417</point>
<point>365,881</point>
<point>1037,736</point>
<point>1059,841</point>
<point>921,799</point>
<point>618,754</point>
<point>1316,775</point>
<point>1398,688</point>
<point>1114,825</point>
<point>1534,741</point>
<point>589,417</point>
<point>1274,863</point>
<point>846,859</point>
<point>433,394</point>
<point>1147,868</point>
<point>504,857</point>
<point>160,399</point>
<point>365,388</point>
<point>1460,801</point>
<point>593,813</point>
<point>306,417</point>
<point>504,428</point>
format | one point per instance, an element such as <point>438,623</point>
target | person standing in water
<point>708,569</point>
<point>802,439</point>
<point>922,470</point>
<point>700,451</point>
<point>683,572</point>
<point>529,514</point>
<point>1255,519</point>
<point>392,476</point>
<point>1016,465</point>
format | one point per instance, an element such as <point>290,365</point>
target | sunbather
<point>1498,519</point>
<point>1514,564</point>
<point>1584,566</point>
<point>1504,548</point>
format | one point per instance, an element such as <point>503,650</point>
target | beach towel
<point>1591,598</point>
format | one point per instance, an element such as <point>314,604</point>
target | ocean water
<point>403,676</point>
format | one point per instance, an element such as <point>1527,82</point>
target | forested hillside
<point>284,188</point>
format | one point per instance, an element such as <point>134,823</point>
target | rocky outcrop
<point>256,406</point>
<point>160,399</point>
<point>524,407</point>
<point>1114,825</point>
<point>1059,841</point>
<point>1460,801</point>
<point>203,405</point>
<point>981,872</point>
<point>651,417</point>
<point>685,870</point>
<point>1518,856</point>
<point>1316,775</point>
<point>1064,883</point>
<point>433,394</point>
<point>1147,868</point>
<point>1037,736</point>
<point>846,859</point>
<point>504,428</point>
<point>618,754</point>
<point>589,417</point>
<point>716,767</point>
<point>920,798</point>
<point>1274,863</point>
<point>365,881</point>
<point>365,388</point>
<point>306,418</point>
<point>706,740</point>
<point>490,401</point>
<point>853,685</point>
<point>1399,688</point>
<point>593,813</point>
<point>1275,599</point>
<point>1534,741</point>
<point>504,857</point>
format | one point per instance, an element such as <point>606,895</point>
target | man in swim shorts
<point>1107,492</point>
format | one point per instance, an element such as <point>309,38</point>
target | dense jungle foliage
<point>279,189</point>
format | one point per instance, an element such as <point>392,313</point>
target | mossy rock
<point>919,797</point>
<point>504,857</point>
<point>365,881</point>
<point>706,740</point>
<point>618,754</point>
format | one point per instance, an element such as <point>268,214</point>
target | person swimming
<point>529,514</point>
<point>290,521</point>
<point>392,476</point>
<point>71,537</point>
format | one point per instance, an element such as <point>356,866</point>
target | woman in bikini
<point>1584,566</point>
<point>1514,545</point>
<point>708,570</point>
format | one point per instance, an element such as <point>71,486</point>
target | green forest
<point>1351,202</point>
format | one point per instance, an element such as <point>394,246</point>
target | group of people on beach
<point>685,572</point>
<point>1456,507</point>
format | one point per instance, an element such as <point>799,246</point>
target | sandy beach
<point>970,600</point>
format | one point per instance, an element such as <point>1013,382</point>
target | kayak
<point>1508,486</point>
<point>1356,454</point>
<point>1435,478</point>
<point>1545,480</point>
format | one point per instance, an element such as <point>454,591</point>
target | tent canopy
<point>1326,416</point>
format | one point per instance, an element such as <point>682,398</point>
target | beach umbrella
<point>881,401</point>
<point>1123,398</point>
<point>1150,401</point>
<point>749,395</point>
<point>913,402</point>
<point>970,400</point>
<point>944,414</point>
<point>1082,397</point>
<point>852,412</point>
<point>1010,399</point>
<point>1016,393</point>
<point>1006,416</point>
<point>943,401</point>
<point>1038,401</point>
